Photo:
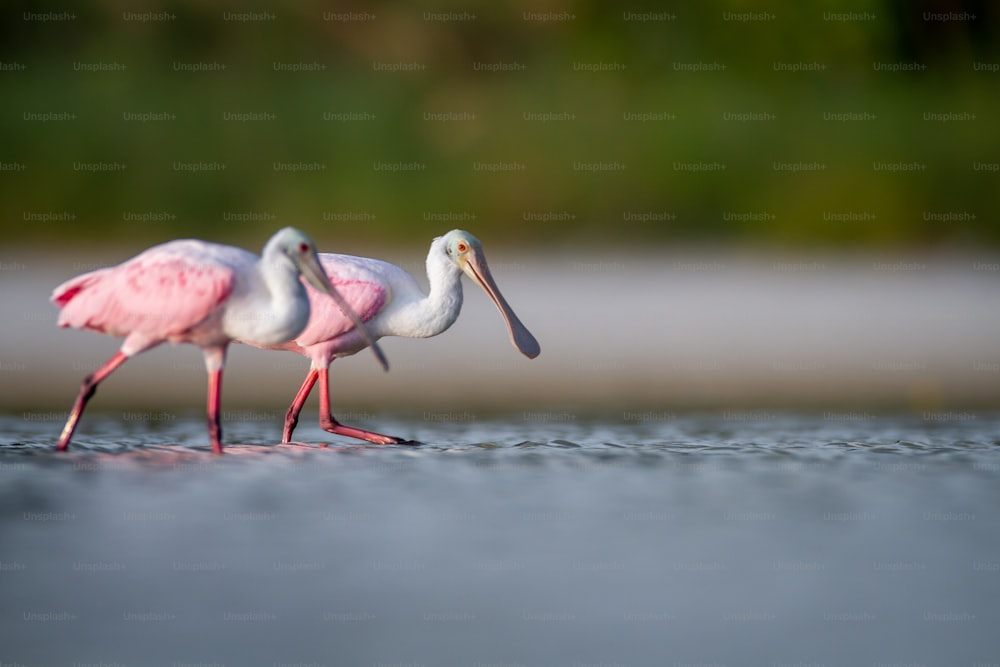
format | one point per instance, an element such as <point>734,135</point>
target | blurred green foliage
<point>452,113</point>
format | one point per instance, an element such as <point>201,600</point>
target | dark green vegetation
<point>874,125</point>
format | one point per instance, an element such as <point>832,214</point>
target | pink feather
<point>160,293</point>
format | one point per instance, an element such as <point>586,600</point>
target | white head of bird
<point>292,249</point>
<point>458,249</point>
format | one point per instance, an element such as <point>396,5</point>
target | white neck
<point>273,308</point>
<point>439,308</point>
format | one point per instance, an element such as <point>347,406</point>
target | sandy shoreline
<point>617,332</point>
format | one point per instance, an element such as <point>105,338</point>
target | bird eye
<point>303,248</point>
<point>462,247</point>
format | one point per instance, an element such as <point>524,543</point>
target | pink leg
<point>87,390</point>
<point>292,416</point>
<point>215,359</point>
<point>328,423</point>
<point>214,400</point>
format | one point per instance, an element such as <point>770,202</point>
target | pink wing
<point>326,321</point>
<point>158,293</point>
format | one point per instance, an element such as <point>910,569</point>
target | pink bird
<point>208,294</point>
<point>391,303</point>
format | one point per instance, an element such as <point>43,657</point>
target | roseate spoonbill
<point>208,294</point>
<point>391,303</point>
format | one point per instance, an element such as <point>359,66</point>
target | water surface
<point>723,538</point>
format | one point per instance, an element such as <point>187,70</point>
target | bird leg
<point>87,390</point>
<point>292,416</point>
<point>215,358</point>
<point>214,400</point>
<point>331,425</point>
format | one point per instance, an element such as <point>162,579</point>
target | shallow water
<point>729,538</point>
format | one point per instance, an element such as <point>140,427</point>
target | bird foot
<point>379,439</point>
<point>332,426</point>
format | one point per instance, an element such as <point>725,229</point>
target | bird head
<point>466,251</point>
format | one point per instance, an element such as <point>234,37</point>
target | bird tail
<point>65,292</point>
<point>74,311</point>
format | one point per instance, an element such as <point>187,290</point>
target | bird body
<point>388,299</point>
<point>197,292</point>
<point>391,303</point>
<point>181,292</point>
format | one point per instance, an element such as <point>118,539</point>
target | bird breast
<point>260,318</point>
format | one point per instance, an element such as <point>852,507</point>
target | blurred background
<point>759,243</point>
<point>699,205</point>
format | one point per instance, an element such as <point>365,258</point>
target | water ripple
<point>703,437</point>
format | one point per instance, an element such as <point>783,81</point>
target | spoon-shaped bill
<point>477,269</point>
<point>313,273</point>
